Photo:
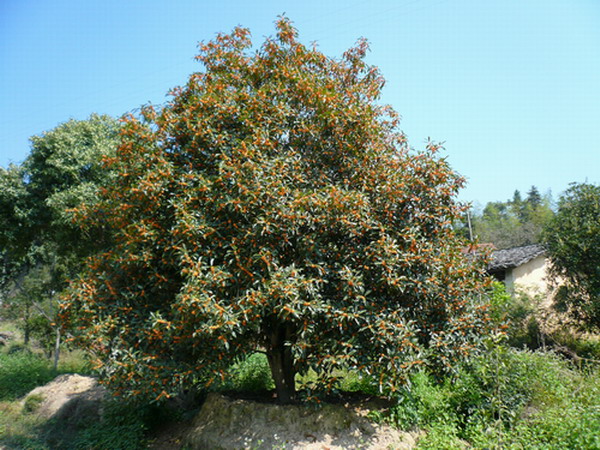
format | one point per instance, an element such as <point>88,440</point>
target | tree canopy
<point>272,205</point>
<point>63,170</point>
<point>40,245</point>
<point>515,222</point>
<point>573,242</point>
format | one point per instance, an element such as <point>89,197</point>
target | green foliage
<point>17,347</point>
<point>441,436</point>
<point>252,374</point>
<point>41,247</point>
<point>500,303</point>
<point>496,388</point>
<point>20,372</point>
<point>15,209</point>
<point>506,398</point>
<point>123,427</point>
<point>75,361</point>
<point>424,402</point>
<point>274,204</point>
<point>586,346</point>
<point>515,222</point>
<point>63,170</point>
<point>563,412</point>
<point>575,426</point>
<point>573,242</point>
<point>350,381</point>
<point>516,316</point>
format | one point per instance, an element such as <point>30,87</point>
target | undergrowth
<point>505,398</point>
<point>251,374</point>
<point>20,372</point>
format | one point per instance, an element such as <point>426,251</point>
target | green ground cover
<point>505,398</point>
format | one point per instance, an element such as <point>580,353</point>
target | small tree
<point>40,245</point>
<point>573,242</point>
<point>272,205</point>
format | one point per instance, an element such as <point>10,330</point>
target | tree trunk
<point>27,327</point>
<point>56,349</point>
<point>281,361</point>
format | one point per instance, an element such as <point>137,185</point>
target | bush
<point>498,387</point>
<point>350,381</point>
<point>504,398</point>
<point>20,372</point>
<point>492,390</point>
<point>560,427</point>
<point>250,375</point>
<point>570,417</point>
<point>424,403</point>
<point>515,316</point>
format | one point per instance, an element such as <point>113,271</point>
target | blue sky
<point>512,87</point>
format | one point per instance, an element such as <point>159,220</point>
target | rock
<point>70,397</point>
<point>6,337</point>
<point>224,423</point>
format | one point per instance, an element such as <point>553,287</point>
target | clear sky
<point>511,86</point>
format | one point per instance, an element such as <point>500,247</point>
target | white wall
<point>529,277</point>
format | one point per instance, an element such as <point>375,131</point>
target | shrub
<point>563,412</point>
<point>515,316</point>
<point>251,374</point>
<point>505,397</point>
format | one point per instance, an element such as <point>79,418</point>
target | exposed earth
<point>225,422</point>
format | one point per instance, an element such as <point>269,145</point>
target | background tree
<point>41,247</point>
<point>513,223</point>
<point>272,205</point>
<point>573,242</point>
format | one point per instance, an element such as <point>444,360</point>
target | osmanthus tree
<point>272,205</point>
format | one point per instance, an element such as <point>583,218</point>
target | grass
<point>23,368</point>
<point>20,372</point>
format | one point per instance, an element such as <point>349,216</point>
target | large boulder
<point>225,423</point>
<point>71,397</point>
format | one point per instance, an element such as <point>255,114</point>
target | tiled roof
<point>514,257</point>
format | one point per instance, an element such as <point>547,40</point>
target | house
<point>521,268</point>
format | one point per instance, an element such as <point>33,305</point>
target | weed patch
<point>20,372</point>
